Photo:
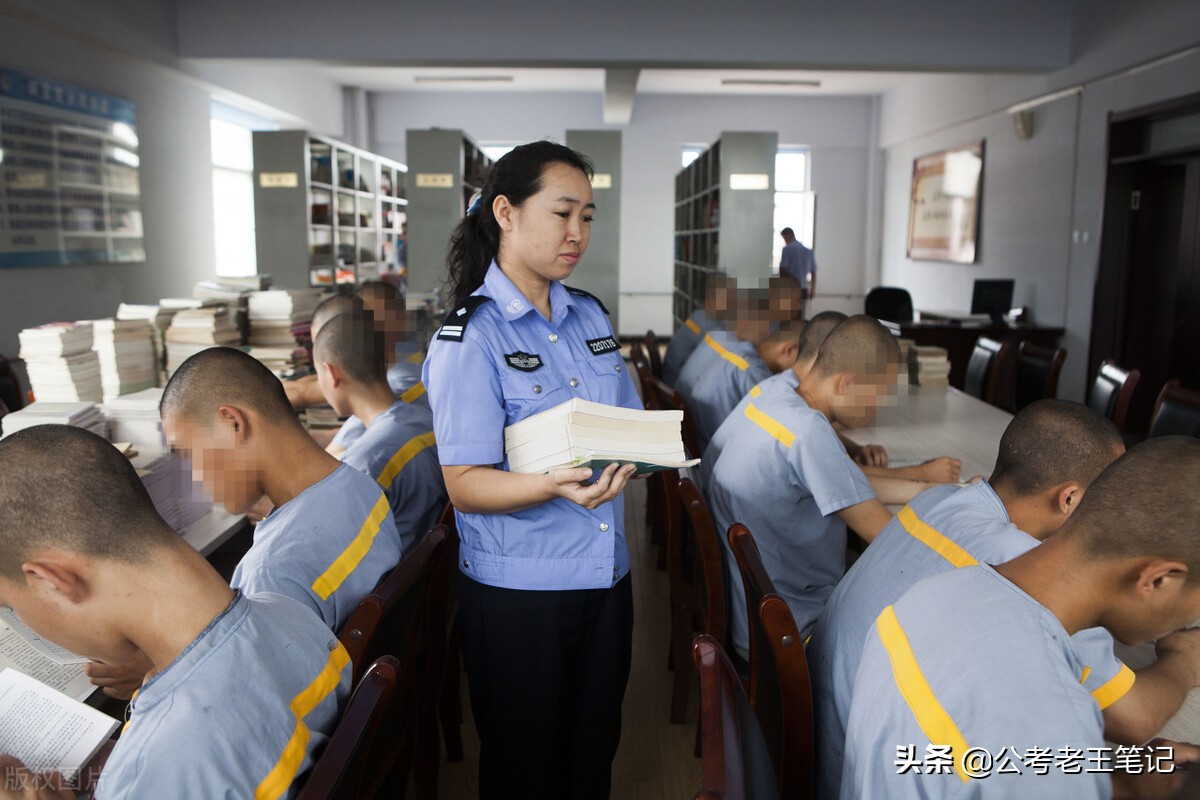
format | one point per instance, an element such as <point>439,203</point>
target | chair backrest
<point>653,353</point>
<point>734,763</point>
<point>668,398</point>
<point>983,369</point>
<point>706,575</point>
<point>780,690</point>
<point>11,395</point>
<point>343,770</point>
<point>889,302</point>
<point>641,365</point>
<point>1177,412</point>
<point>1038,369</point>
<point>1112,390</point>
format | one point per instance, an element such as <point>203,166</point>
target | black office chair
<point>983,369</point>
<point>1177,412</point>
<point>1112,390</point>
<point>889,302</point>
<point>1038,369</point>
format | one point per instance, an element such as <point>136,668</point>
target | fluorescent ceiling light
<point>770,82</point>
<point>462,78</point>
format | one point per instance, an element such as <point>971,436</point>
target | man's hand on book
<point>120,680</point>
<point>17,782</point>
<point>569,483</point>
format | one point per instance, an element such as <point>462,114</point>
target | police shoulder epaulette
<point>582,293</point>
<point>456,321</point>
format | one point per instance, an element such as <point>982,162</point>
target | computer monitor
<point>993,297</point>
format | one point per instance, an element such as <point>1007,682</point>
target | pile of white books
<point>282,361</point>
<point>581,433</point>
<point>168,481</point>
<point>126,352</point>
<point>276,315</point>
<point>906,346</point>
<point>159,318</point>
<point>928,366</point>
<point>196,329</point>
<point>134,418</point>
<point>60,362</point>
<point>82,415</point>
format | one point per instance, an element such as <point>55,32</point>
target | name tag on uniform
<point>526,362</point>
<point>601,346</point>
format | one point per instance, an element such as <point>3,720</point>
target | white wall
<point>839,131</point>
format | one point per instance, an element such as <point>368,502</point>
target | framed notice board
<point>943,218</point>
<point>69,184</point>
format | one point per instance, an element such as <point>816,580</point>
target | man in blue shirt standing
<point>798,263</point>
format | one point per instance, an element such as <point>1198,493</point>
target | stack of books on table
<point>126,352</point>
<point>320,418</point>
<point>168,481</point>
<point>906,346</point>
<point>233,292</point>
<point>159,318</point>
<point>82,415</point>
<point>134,418</point>
<point>282,361</point>
<point>196,329</point>
<point>928,366</point>
<point>275,314</point>
<point>60,362</point>
<point>581,433</point>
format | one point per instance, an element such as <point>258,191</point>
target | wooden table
<point>959,339</point>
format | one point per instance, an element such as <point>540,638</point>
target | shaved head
<point>333,306</point>
<point>1052,442</point>
<point>816,331</point>
<point>859,345</point>
<point>224,376</point>
<point>351,342</point>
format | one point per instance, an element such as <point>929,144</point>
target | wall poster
<point>69,186</point>
<point>943,218</point>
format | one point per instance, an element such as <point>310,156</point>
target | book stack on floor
<point>928,366</point>
<point>159,318</point>
<point>134,418</point>
<point>126,352</point>
<point>60,362</point>
<point>280,323</point>
<point>582,433</point>
<point>168,481</point>
<point>80,414</point>
<point>196,329</point>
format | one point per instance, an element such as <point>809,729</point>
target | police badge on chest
<point>526,362</point>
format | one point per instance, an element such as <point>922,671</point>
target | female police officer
<point>545,603</point>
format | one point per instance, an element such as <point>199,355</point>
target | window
<point>690,154</point>
<point>795,205</point>
<point>496,151</point>
<point>233,188</point>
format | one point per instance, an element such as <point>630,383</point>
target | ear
<point>1067,497</point>
<point>1159,575</point>
<point>234,422</point>
<point>503,210</point>
<point>844,382</point>
<point>56,578</point>
<point>336,376</point>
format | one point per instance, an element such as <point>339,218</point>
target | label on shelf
<point>602,180</point>
<point>435,180</point>
<point>742,181</point>
<point>279,180</point>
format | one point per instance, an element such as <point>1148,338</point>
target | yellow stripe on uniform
<point>345,563</point>
<point>404,455</point>
<point>1115,689</point>
<point>770,425</point>
<point>910,680</point>
<point>280,778</point>
<point>934,540</point>
<point>413,392</point>
<point>417,358</point>
<point>755,391</point>
<point>693,327</point>
<point>732,358</point>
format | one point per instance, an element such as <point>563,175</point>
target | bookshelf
<point>446,168</point>
<point>325,212</point>
<point>724,214</point>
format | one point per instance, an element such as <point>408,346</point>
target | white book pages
<point>46,730</point>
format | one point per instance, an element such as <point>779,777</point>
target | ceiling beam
<point>620,90</point>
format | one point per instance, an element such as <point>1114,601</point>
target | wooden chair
<point>450,709</point>
<point>393,620</point>
<point>1038,369</point>
<point>734,763</point>
<point>696,576</point>
<point>1112,390</point>
<point>654,353</point>
<point>984,369</point>
<point>780,690</point>
<point>343,771</point>
<point>1177,411</point>
<point>668,398</point>
<point>655,519</point>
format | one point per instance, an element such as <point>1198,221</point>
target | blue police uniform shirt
<point>786,381</point>
<point>941,529</point>
<point>797,262</point>
<point>496,363</point>
<point>188,736</point>
<point>684,342</point>
<point>327,547</point>
<point>1006,677</point>
<point>723,386</point>
<point>353,427</point>
<point>399,453</point>
<point>783,473</point>
<point>713,348</point>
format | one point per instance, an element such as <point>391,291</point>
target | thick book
<point>581,433</point>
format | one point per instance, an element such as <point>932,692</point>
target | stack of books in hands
<point>196,329</point>
<point>928,366</point>
<point>580,433</point>
<point>134,418</point>
<point>60,362</point>
<point>127,359</point>
<point>82,415</point>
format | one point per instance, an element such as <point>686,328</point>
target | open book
<point>580,433</point>
<point>46,730</point>
<point>23,650</point>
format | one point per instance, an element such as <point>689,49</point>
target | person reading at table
<point>88,563</point>
<point>330,537</point>
<point>1049,455</point>
<point>987,660</point>
<point>749,324</point>
<point>397,450</point>
<point>720,293</point>
<point>784,474</point>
